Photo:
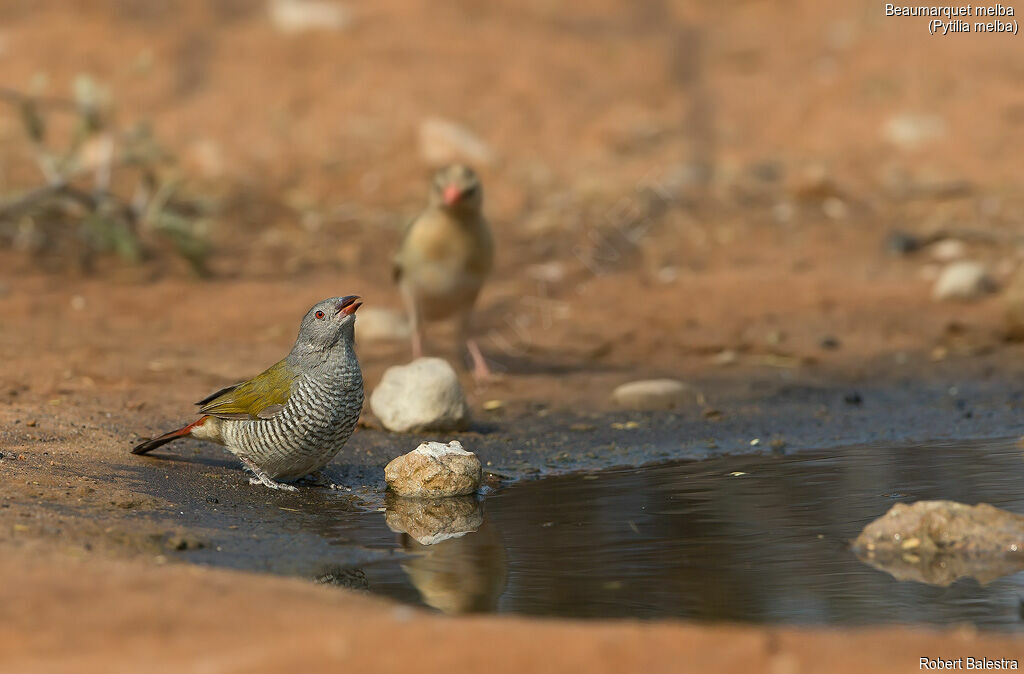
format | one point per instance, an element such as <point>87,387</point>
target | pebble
<point>424,395</point>
<point>964,281</point>
<point>434,469</point>
<point>902,243</point>
<point>829,342</point>
<point>948,250</point>
<point>653,394</point>
<point>910,131</point>
<point>725,357</point>
<point>297,16</point>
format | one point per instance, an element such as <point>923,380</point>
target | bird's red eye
<point>319,314</point>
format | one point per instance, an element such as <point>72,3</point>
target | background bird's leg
<point>263,478</point>
<point>415,323</point>
<point>480,370</point>
<point>417,340</point>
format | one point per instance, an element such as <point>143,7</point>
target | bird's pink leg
<point>417,342</point>
<point>415,323</point>
<point>480,370</point>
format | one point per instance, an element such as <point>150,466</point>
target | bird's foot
<point>481,372</point>
<point>261,477</point>
<point>486,377</point>
<point>273,484</point>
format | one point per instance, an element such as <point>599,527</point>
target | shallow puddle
<point>757,539</point>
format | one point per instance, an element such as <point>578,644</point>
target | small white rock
<point>434,469</point>
<point>424,395</point>
<point>206,157</point>
<point>296,16</point>
<point>834,208</point>
<point>376,324</point>
<point>444,142</point>
<point>963,281</point>
<point>548,272</point>
<point>948,250</point>
<point>653,394</point>
<point>910,131</point>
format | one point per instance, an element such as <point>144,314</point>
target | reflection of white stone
<point>938,542</point>
<point>430,521</point>
<point>424,395</point>
<point>434,469</point>
<point>453,572</point>
<point>440,536</point>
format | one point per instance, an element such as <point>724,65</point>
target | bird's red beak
<point>451,195</point>
<point>348,305</point>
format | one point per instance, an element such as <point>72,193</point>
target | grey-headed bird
<point>290,420</point>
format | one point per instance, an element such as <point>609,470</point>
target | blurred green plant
<point>78,203</point>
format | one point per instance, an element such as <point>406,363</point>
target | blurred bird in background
<point>444,259</point>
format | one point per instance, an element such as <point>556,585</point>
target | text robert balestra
<point>936,664</point>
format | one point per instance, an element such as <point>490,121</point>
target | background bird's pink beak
<point>349,305</point>
<point>452,194</point>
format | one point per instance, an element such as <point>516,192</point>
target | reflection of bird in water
<point>458,561</point>
<point>352,579</point>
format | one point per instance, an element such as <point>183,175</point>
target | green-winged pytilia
<point>293,418</point>
<point>445,257</point>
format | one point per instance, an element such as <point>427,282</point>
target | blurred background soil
<point>741,195</point>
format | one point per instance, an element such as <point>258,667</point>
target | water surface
<point>755,539</point>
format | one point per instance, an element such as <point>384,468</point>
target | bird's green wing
<point>262,397</point>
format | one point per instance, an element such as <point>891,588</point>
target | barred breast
<point>314,425</point>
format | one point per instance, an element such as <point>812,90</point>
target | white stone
<point>376,324</point>
<point>435,450</point>
<point>443,142</point>
<point>548,272</point>
<point>434,469</point>
<point>653,394</point>
<point>963,281</point>
<point>296,16</point>
<point>424,395</point>
<point>948,250</point>
<point>909,131</point>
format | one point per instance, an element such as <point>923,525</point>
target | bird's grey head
<point>457,188</point>
<point>328,324</point>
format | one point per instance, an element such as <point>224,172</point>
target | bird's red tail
<point>182,432</point>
